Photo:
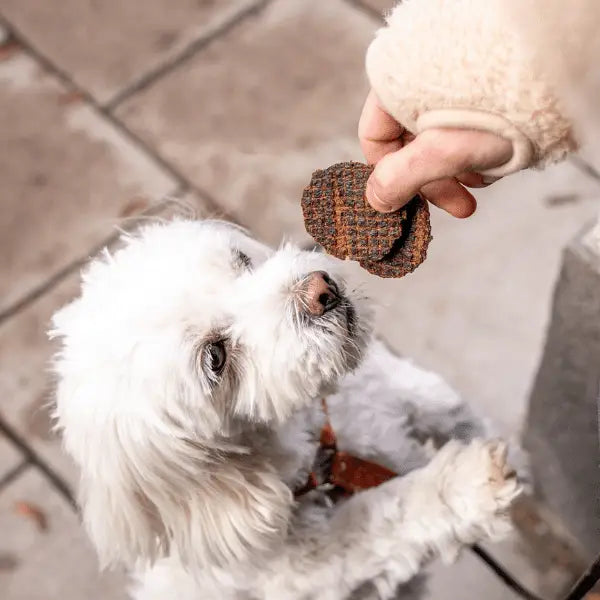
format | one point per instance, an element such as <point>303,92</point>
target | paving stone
<point>68,176</point>
<point>467,578</point>
<point>253,114</point>
<point>106,46</point>
<point>547,579</point>
<point>10,457</point>
<point>477,309</point>
<point>45,555</point>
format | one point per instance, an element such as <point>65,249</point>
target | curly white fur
<point>187,470</point>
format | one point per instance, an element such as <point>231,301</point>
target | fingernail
<point>374,200</point>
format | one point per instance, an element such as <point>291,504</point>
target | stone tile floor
<point>108,109</point>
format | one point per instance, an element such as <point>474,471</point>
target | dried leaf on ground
<point>33,512</point>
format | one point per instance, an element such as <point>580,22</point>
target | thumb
<point>434,154</point>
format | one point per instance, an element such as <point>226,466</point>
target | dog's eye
<point>215,356</point>
<point>242,259</point>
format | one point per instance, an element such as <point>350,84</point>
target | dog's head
<point>181,343</point>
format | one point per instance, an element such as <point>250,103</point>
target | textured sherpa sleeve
<point>463,63</point>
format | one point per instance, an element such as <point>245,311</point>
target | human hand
<point>438,163</point>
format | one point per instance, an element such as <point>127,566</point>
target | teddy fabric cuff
<point>460,64</point>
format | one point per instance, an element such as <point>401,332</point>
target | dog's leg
<point>393,411</point>
<point>389,408</point>
<point>386,534</point>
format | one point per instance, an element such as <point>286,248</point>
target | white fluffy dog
<point>191,375</point>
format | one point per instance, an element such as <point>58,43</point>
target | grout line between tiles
<point>32,458</point>
<point>14,473</point>
<point>148,78</point>
<point>56,278</point>
<point>367,10</point>
<point>585,167</point>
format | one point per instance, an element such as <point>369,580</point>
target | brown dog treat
<point>338,216</point>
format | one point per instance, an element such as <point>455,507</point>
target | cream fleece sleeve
<point>465,64</point>
<point>564,38</point>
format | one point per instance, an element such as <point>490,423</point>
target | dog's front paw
<point>479,486</point>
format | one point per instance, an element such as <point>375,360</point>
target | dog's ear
<point>150,497</point>
<point>149,488</point>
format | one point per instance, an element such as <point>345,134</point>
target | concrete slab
<point>10,457</point>
<point>254,113</point>
<point>467,578</point>
<point>67,174</point>
<point>110,45</point>
<point>562,422</point>
<point>44,553</point>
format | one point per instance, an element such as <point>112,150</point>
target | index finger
<point>378,132</point>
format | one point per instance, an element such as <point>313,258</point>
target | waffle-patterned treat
<point>338,216</point>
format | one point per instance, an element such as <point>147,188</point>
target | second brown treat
<point>339,218</point>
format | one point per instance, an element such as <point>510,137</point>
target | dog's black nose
<point>320,293</point>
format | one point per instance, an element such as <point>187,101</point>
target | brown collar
<point>341,473</point>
